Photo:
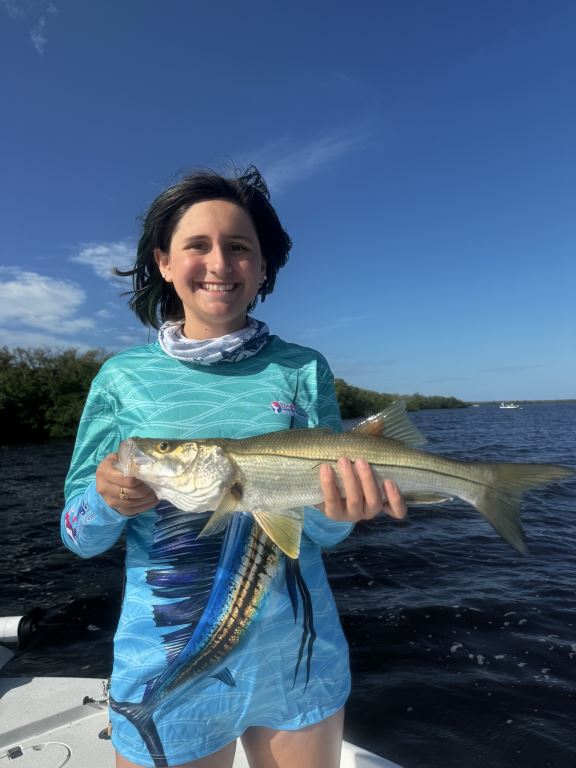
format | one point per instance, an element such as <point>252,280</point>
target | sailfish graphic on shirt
<point>219,585</point>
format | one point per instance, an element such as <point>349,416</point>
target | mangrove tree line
<point>42,393</point>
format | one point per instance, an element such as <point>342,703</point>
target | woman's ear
<point>163,261</point>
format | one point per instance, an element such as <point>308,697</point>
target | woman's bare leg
<point>316,746</point>
<point>221,759</point>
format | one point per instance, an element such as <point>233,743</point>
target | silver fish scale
<point>279,483</point>
<point>271,481</point>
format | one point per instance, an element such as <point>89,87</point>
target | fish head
<point>192,475</point>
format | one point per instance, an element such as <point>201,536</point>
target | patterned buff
<point>230,348</point>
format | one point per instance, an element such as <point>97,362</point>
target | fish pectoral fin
<point>284,527</point>
<point>218,520</point>
<point>422,499</point>
<point>226,677</point>
<point>392,423</point>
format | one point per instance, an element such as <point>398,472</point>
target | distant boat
<point>509,406</point>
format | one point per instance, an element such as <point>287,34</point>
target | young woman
<point>209,247</point>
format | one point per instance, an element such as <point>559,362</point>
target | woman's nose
<point>218,261</point>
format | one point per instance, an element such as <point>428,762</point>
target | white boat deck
<point>45,724</point>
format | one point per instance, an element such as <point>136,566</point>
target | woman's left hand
<point>363,499</point>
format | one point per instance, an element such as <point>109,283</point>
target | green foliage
<point>418,402</point>
<point>42,393</point>
<point>355,402</point>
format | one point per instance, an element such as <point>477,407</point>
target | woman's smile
<point>218,287</point>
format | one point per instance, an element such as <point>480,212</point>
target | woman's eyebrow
<point>191,238</point>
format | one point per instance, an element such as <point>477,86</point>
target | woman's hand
<point>126,495</point>
<point>364,498</point>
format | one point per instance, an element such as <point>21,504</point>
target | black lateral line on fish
<point>309,451</point>
<point>455,465</point>
<point>299,449</point>
<point>332,459</point>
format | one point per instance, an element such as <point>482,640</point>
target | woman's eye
<point>238,247</point>
<point>198,245</point>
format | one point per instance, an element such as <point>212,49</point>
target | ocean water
<point>463,653</point>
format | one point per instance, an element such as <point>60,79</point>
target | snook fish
<point>273,476</point>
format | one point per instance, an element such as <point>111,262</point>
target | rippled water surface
<point>463,653</point>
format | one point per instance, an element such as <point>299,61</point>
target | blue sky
<point>422,156</point>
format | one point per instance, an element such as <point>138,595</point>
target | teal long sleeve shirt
<point>144,392</point>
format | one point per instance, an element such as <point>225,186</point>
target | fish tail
<point>142,719</point>
<point>500,498</point>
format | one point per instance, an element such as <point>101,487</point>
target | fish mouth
<point>132,460</point>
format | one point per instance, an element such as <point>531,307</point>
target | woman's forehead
<point>211,216</point>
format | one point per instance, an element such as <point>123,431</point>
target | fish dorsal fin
<point>393,423</point>
<point>283,527</point>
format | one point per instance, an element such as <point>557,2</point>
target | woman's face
<point>215,265</point>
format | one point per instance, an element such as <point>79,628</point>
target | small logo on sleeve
<point>75,519</point>
<point>290,409</point>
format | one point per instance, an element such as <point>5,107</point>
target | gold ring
<point>123,494</point>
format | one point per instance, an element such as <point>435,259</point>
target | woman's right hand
<point>126,495</point>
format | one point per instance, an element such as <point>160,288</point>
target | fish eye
<point>163,447</point>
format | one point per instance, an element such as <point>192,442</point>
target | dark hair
<point>152,299</point>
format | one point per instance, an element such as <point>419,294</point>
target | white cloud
<point>16,10</point>
<point>14,337</point>
<point>29,300</point>
<point>39,39</point>
<point>27,11</point>
<point>104,257</point>
<point>128,340</point>
<point>283,163</point>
